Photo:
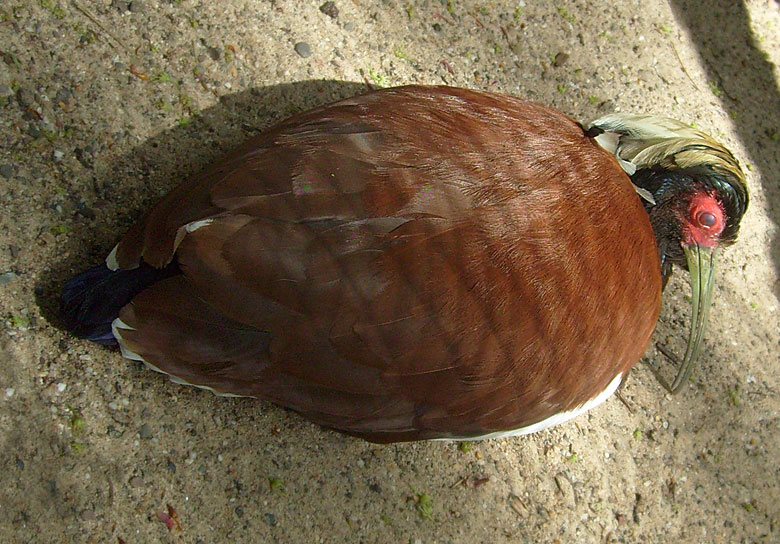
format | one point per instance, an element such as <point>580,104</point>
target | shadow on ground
<point>126,186</point>
<point>738,70</point>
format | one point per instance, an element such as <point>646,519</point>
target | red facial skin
<point>705,221</point>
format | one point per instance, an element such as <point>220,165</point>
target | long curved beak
<point>701,266</point>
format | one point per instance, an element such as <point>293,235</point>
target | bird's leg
<point>620,397</point>
<point>673,358</point>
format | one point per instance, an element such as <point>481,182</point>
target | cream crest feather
<point>646,141</point>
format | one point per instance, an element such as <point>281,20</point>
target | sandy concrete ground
<point>104,105</point>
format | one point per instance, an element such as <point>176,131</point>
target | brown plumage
<point>419,262</point>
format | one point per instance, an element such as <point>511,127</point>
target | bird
<point>421,263</point>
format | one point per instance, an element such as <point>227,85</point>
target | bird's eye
<point>706,219</point>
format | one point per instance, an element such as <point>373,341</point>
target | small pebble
<point>171,467</point>
<point>7,171</point>
<point>214,52</point>
<point>85,211</point>
<point>88,515</point>
<point>25,97</point>
<point>61,387</point>
<point>7,278</point>
<point>145,432</point>
<point>560,59</point>
<point>270,519</point>
<point>63,95</point>
<point>10,392</point>
<point>136,481</point>
<point>330,9</point>
<point>303,49</point>
<point>58,155</point>
<point>113,405</point>
<point>349,27</point>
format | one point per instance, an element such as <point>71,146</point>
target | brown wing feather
<point>417,260</point>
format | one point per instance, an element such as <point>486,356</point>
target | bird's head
<point>695,194</point>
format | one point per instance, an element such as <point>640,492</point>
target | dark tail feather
<point>92,300</point>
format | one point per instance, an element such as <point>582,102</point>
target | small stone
<point>88,515</point>
<point>303,49</point>
<point>121,5</point>
<point>560,59</point>
<point>171,467</point>
<point>7,171</point>
<point>34,132</point>
<point>270,519</point>
<point>7,278</point>
<point>61,387</point>
<point>136,6</point>
<point>10,392</point>
<point>214,52</point>
<point>330,9</point>
<point>25,97</point>
<point>145,432</point>
<point>85,211</point>
<point>136,481</point>
<point>57,155</point>
<point>113,432</point>
<point>63,95</point>
<point>349,27</point>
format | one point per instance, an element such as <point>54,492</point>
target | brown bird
<point>421,262</point>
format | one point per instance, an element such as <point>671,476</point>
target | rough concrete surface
<point>106,104</point>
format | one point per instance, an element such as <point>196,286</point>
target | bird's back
<point>418,262</point>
